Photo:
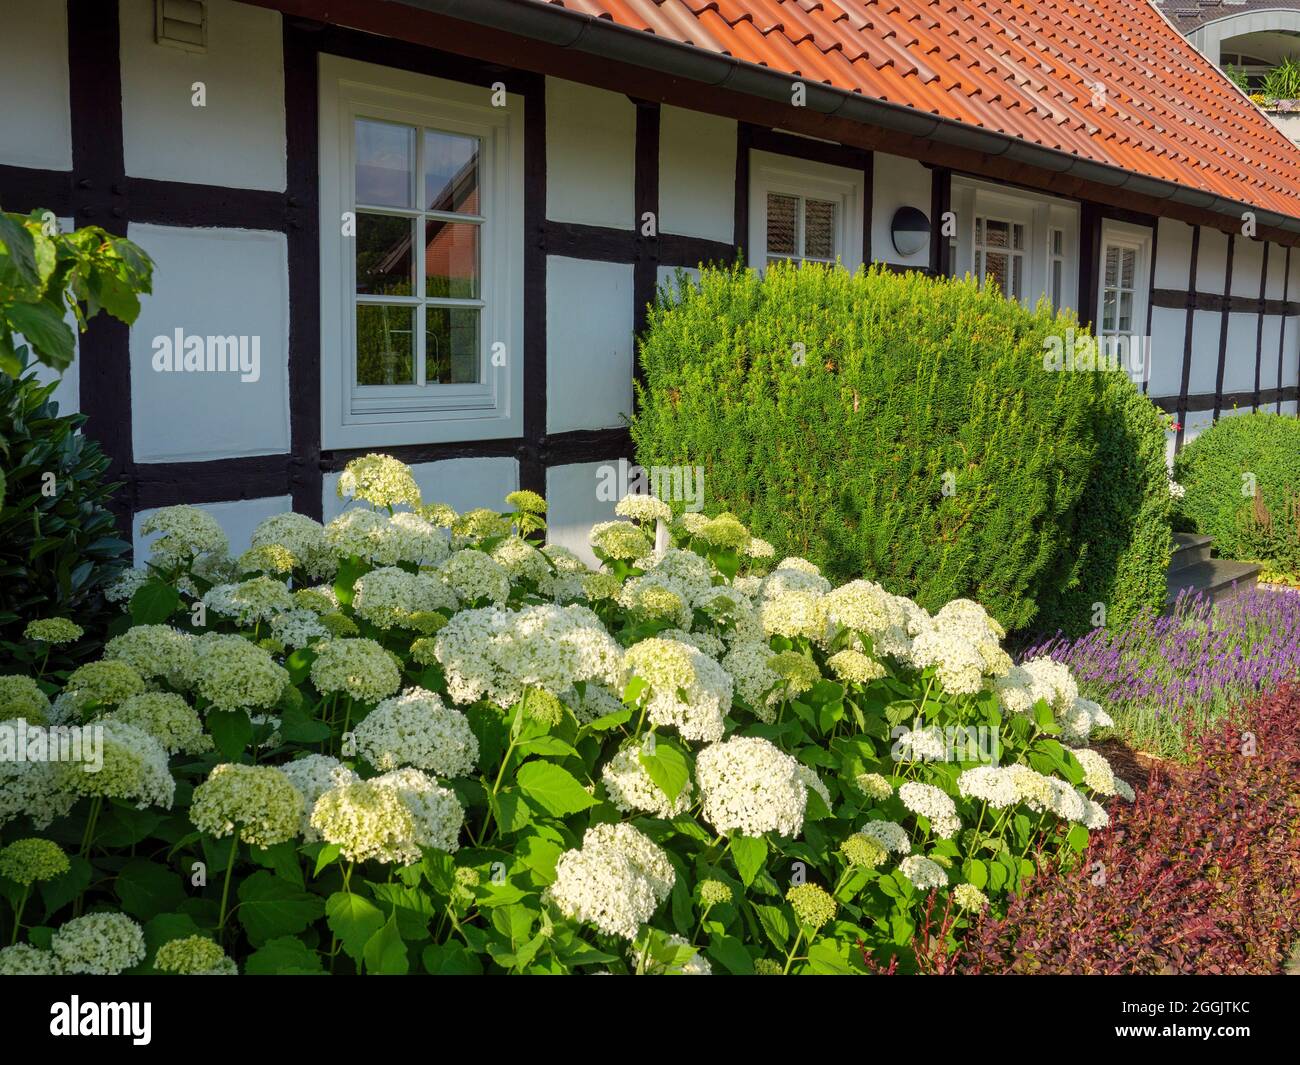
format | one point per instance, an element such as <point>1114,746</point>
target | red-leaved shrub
<point>1200,875</point>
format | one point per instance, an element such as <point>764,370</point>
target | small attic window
<point>181,24</point>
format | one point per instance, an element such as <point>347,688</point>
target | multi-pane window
<point>1118,289</point>
<point>1000,255</point>
<point>800,227</point>
<point>418,257</point>
<point>1056,267</point>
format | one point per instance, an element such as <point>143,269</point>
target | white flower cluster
<point>185,533</point>
<point>389,818</point>
<point>935,805</point>
<point>390,597</point>
<point>417,729</point>
<point>312,776</point>
<point>500,653</point>
<point>750,786</point>
<point>615,880</point>
<point>686,689</point>
<point>629,787</point>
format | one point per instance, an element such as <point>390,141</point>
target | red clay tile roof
<point>1025,68</point>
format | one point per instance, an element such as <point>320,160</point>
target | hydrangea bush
<point>416,740</point>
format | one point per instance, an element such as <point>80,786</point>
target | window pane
<point>451,264</point>
<point>1108,311</point>
<point>997,234</point>
<point>385,163</point>
<point>1112,267</point>
<point>819,229</point>
<point>997,267</point>
<point>1058,242</point>
<point>384,255</point>
<point>451,352</point>
<point>385,349</point>
<point>1126,312</point>
<point>450,172</point>
<point>1018,232</point>
<point>1017,276</point>
<point>979,231</point>
<point>782,224</point>
<point>1057,267</point>
<point>1127,265</point>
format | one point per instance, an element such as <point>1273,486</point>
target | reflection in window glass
<point>452,345</point>
<point>385,154</point>
<point>384,260</point>
<point>451,172</point>
<point>385,347</point>
<point>782,225</point>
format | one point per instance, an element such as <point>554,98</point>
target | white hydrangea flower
<point>614,881</point>
<point>656,596</point>
<point>379,480</point>
<point>595,701</point>
<point>923,873</point>
<point>686,690</point>
<point>749,785</point>
<point>1097,773</point>
<point>388,597</point>
<point>298,628</point>
<point>103,944</point>
<point>889,834</point>
<point>973,623</point>
<point>925,800</point>
<point>866,608</point>
<point>645,508</point>
<point>126,585</point>
<point>1094,815</point>
<point>359,667</point>
<point>389,818</point>
<point>521,560</point>
<point>472,575</point>
<point>313,775</point>
<point>755,681</point>
<point>22,959</point>
<point>990,784</point>
<point>155,651</point>
<point>499,653</point>
<point>411,538</point>
<point>186,533</point>
<point>260,802</point>
<point>134,768</point>
<point>921,745</point>
<point>959,665</point>
<point>564,583</point>
<point>302,537</point>
<point>249,602</point>
<point>1051,681</point>
<point>36,789</point>
<point>233,673</point>
<point>629,787</point>
<point>416,728</point>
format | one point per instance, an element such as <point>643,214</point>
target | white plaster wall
<point>460,483</point>
<point>1276,272</point>
<point>573,506</point>
<point>218,282</point>
<point>1166,351</point>
<point>590,155</point>
<point>1205,352</point>
<point>1173,254</point>
<point>588,344</point>
<point>237,518</point>
<point>898,182</point>
<point>1268,362</point>
<point>1291,354</point>
<point>1289,407</point>
<point>1211,261</point>
<point>1239,365</point>
<point>35,113</point>
<point>1195,424</point>
<point>1247,262</point>
<point>697,174</point>
<point>238,138</point>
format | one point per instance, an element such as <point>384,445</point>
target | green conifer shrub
<point>905,429</point>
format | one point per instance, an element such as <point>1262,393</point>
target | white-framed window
<point>1023,242</point>
<point>1000,255</point>
<point>1056,267</point>
<point>803,210</point>
<point>421,259</point>
<point>1122,289</point>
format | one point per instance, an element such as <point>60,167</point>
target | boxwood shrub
<point>905,428</point>
<point>1241,480</point>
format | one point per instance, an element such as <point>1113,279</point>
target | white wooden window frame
<point>1039,215</point>
<point>1126,237</point>
<point>982,251</point>
<point>806,179</point>
<point>377,416</point>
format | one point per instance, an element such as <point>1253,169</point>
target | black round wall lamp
<point>910,230</point>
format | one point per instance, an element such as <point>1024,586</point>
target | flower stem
<point>225,887</point>
<point>18,913</point>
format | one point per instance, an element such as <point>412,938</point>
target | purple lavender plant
<point>1165,679</point>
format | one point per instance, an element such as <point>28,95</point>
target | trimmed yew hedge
<point>1200,875</point>
<point>903,428</point>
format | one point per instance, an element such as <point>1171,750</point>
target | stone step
<point>1189,549</point>
<point>1216,578</point>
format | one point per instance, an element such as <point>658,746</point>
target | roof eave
<point>603,38</point>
